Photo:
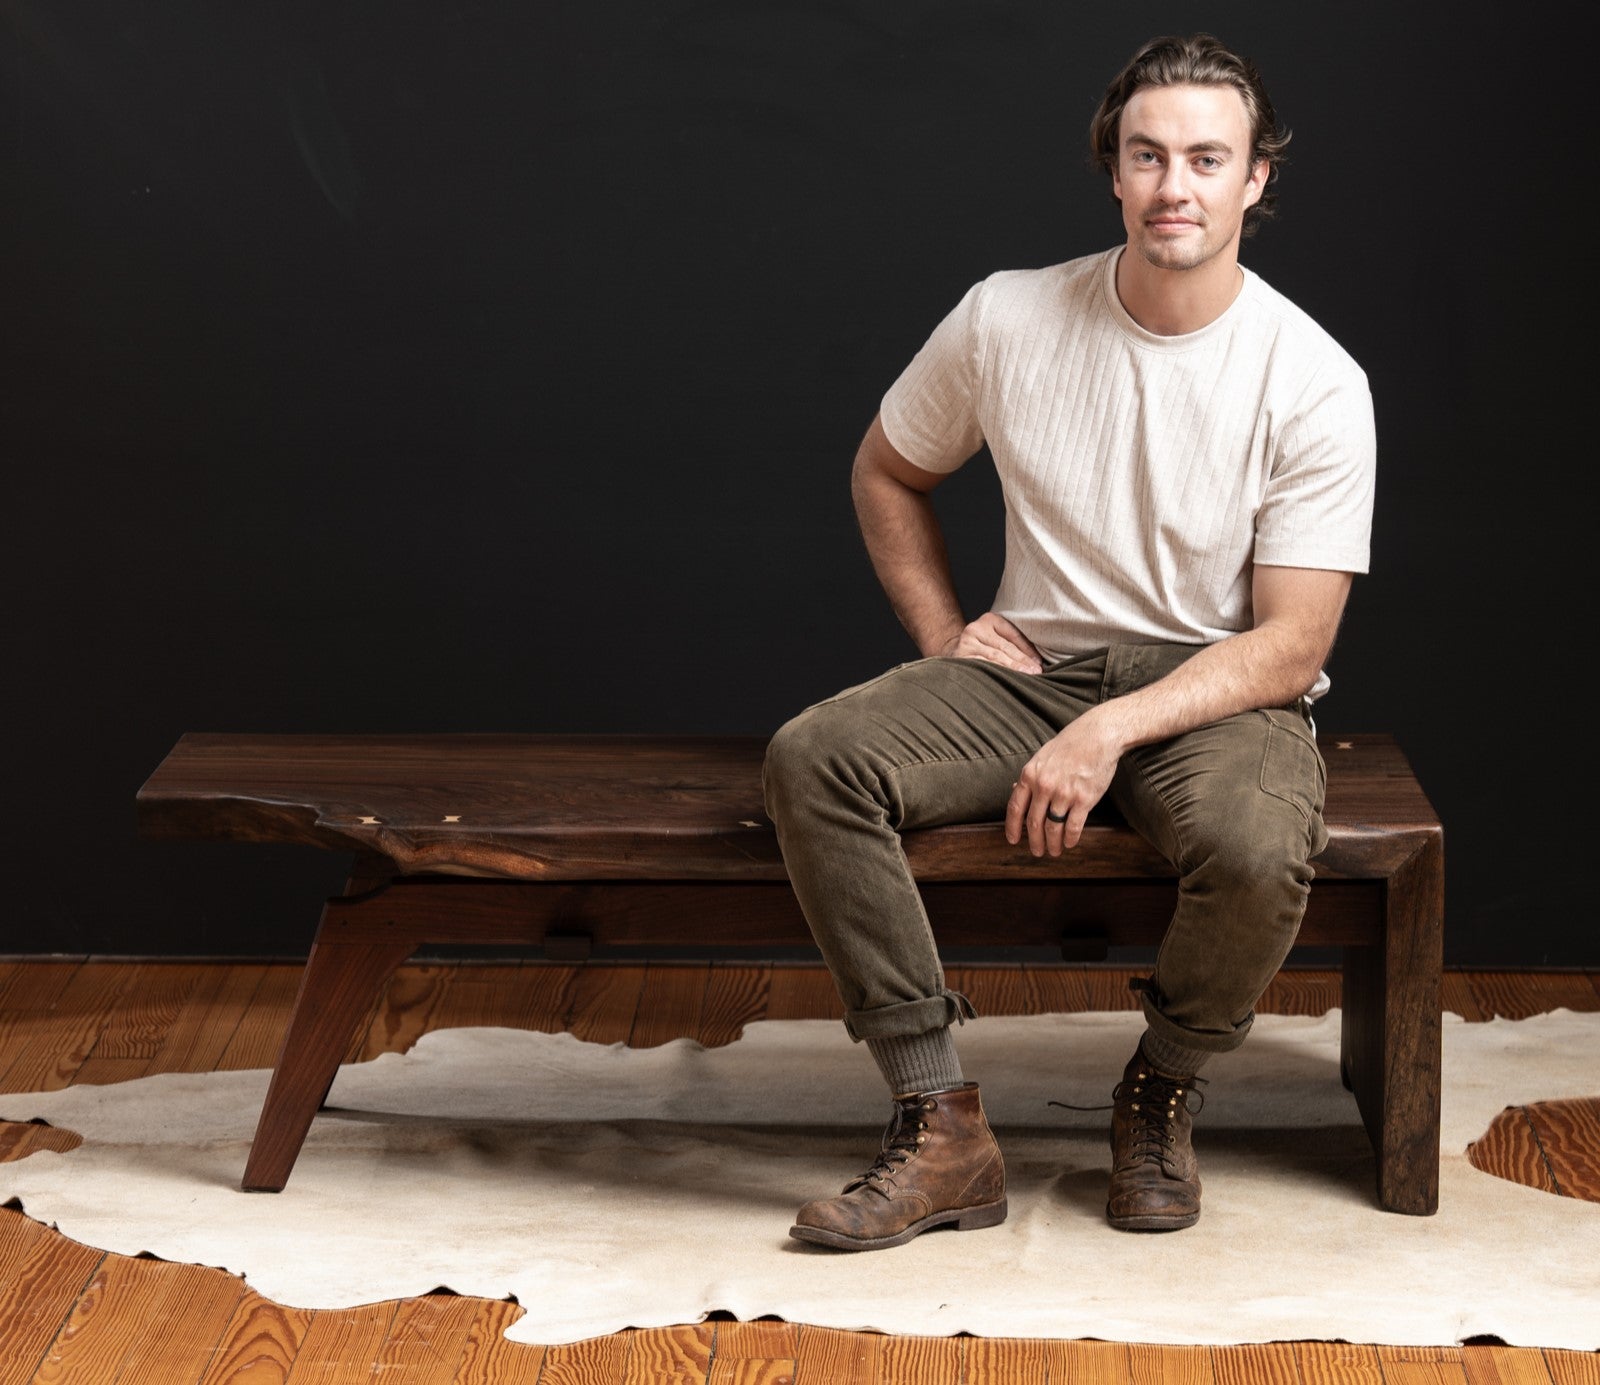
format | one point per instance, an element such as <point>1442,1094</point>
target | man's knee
<point>799,752</point>
<point>1258,844</point>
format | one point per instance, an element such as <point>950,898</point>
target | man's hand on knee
<point>1051,799</point>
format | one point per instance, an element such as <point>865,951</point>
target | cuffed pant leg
<point>935,741</point>
<point>1237,807</point>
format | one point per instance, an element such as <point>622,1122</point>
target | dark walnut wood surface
<point>571,807</point>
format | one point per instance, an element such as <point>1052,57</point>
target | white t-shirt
<point>1143,475</point>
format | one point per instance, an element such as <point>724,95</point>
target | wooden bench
<point>584,842</point>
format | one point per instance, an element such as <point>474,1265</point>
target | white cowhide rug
<point>607,1187</point>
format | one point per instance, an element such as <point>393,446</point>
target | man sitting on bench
<point>1187,462</point>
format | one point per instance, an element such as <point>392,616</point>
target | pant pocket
<point>1292,768</point>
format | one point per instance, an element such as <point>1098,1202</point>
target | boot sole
<point>1149,1222</point>
<point>962,1218</point>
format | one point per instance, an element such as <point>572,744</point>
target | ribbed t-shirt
<point>1143,475</point>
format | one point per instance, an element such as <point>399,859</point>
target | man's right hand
<point>996,639</point>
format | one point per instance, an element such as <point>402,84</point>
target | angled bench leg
<point>1391,1036</point>
<point>343,976</point>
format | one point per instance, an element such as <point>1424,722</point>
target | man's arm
<point>907,548</point>
<point>1297,612</point>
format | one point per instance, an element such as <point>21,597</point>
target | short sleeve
<point>1318,508</point>
<point>930,414</point>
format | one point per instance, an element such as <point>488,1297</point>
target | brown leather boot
<point>939,1164</point>
<point>1155,1178</point>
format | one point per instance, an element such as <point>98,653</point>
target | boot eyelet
<point>922,1139</point>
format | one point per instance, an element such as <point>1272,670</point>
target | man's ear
<point>1258,182</point>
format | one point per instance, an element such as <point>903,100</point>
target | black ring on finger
<point>1055,816</point>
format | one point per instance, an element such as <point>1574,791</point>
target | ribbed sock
<point>1173,1060</point>
<point>917,1062</point>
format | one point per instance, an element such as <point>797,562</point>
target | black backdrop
<point>482,365</point>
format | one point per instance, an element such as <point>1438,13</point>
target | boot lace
<point>902,1139</point>
<point>1152,1099</point>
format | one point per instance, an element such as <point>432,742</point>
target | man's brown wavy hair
<point>1198,60</point>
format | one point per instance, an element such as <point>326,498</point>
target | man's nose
<point>1174,183</point>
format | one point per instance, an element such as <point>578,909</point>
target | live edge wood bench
<point>583,842</point>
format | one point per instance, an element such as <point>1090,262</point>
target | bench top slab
<point>638,807</point>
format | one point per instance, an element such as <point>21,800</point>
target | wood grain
<point>1259,1363</point>
<point>762,1339</point>
<point>19,1139</point>
<point>259,1033</point>
<point>1550,1145</point>
<point>734,997</point>
<point>259,1345</point>
<point>486,994</point>
<point>342,1346</point>
<point>552,988</point>
<point>42,1276</point>
<point>1498,1365</point>
<point>1169,1365</point>
<point>604,1003</point>
<point>797,992</point>
<point>426,1340</point>
<point>31,986</point>
<point>1003,1361</point>
<point>597,1361</point>
<point>489,1359</point>
<point>1054,990</point>
<point>993,990</point>
<point>103,1337</point>
<point>646,807</point>
<point>669,1355</point>
<point>1294,991</point>
<point>1573,1367</point>
<point>1456,995</point>
<point>921,1361</point>
<point>402,1013</point>
<point>827,1356</point>
<point>1518,994</point>
<point>1569,1138</point>
<point>210,1016</point>
<point>1338,1363</point>
<point>1509,1149</point>
<point>1089,1361</point>
<point>156,995</point>
<point>51,1054</point>
<point>671,1002</point>
<point>189,1308</point>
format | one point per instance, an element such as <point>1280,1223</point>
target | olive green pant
<point>1236,806</point>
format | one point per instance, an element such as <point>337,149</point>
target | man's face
<point>1184,174</point>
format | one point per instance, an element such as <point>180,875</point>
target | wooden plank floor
<point>72,1315</point>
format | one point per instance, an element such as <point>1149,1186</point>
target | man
<point>1187,463</point>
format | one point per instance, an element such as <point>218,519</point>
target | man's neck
<point>1173,302</point>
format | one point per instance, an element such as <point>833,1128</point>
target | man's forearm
<point>906,545</point>
<point>1264,667</point>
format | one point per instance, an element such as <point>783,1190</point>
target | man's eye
<point>1209,162</point>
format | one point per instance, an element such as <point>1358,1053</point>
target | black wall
<point>388,365</point>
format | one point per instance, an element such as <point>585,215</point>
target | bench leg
<point>1391,1036</point>
<point>343,976</point>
